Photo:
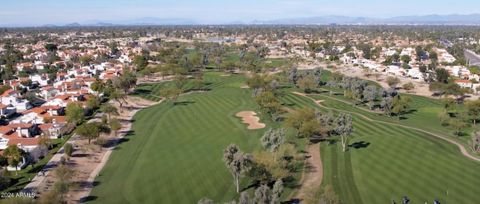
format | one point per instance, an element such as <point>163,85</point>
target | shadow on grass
<point>36,168</point>
<point>88,199</point>
<point>360,145</point>
<point>141,92</point>
<point>183,103</point>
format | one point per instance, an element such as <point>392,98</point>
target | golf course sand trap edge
<point>250,118</point>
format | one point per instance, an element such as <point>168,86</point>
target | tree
<point>423,68</point>
<point>442,75</point>
<point>257,81</point>
<point>64,174</point>
<point>433,56</point>
<point>268,102</point>
<point>408,86</point>
<point>14,156</point>
<point>51,47</point>
<point>68,149</point>
<point>44,140</point>
<point>400,105</point>
<point>89,130</point>
<point>449,105</point>
<point>171,93</point>
<point>405,59</point>
<point>93,103</point>
<point>307,83</point>
<point>476,141</point>
<point>272,139</point>
<point>98,86</point>
<point>392,81</point>
<point>453,89</point>
<point>109,109</point>
<point>262,195</point>
<point>86,60</point>
<point>457,124</point>
<point>305,122</point>
<point>140,62</point>
<point>198,81</point>
<point>180,81</point>
<point>473,110</point>
<point>370,95</point>
<point>420,53</point>
<point>117,96</point>
<point>237,163</point>
<point>125,82</point>
<point>36,154</point>
<point>74,113</point>
<point>344,128</point>
<point>115,126</point>
<point>293,75</point>
<point>277,192</point>
<point>244,198</point>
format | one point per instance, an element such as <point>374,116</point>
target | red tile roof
<point>45,126</point>
<point>8,92</point>
<point>20,125</point>
<point>37,110</point>
<point>24,141</point>
<point>60,119</point>
<point>462,81</point>
<point>6,129</point>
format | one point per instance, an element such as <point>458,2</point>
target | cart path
<point>313,173</point>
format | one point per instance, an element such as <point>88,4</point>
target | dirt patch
<point>244,87</point>
<point>250,118</point>
<point>313,173</point>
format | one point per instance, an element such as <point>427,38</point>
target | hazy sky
<point>38,12</point>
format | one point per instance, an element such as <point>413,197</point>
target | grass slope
<point>175,153</point>
<point>392,161</point>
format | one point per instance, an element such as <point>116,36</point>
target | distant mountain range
<point>472,19</point>
<point>455,19</point>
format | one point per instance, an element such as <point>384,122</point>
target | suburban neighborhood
<point>239,102</point>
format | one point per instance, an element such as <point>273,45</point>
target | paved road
<point>472,57</point>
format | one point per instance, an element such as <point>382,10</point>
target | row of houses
<point>25,124</point>
<point>465,78</point>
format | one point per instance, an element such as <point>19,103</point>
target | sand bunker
<point>250,118</point>
<point>244,87</point>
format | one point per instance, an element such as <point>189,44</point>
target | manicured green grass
<point>424,115</point>
<point>175,153</point>
<point>424,112</point>
<point>392,161</point>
